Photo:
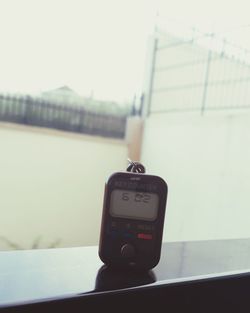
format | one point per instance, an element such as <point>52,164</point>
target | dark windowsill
<point>51,277</point>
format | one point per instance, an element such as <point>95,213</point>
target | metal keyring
<point>135,167</point>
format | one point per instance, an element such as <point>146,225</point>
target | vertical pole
<point>152,73</point>
<point>204,95</point>
<point>149,76</point>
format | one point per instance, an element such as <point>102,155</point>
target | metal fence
<point>203,72</point>
<point>38,112</point>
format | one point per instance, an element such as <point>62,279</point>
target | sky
<point>97,47</point>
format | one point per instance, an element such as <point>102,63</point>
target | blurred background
<point>84,85</point>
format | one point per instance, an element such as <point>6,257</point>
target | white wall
<point>52,183</point>
<point>205,160</point>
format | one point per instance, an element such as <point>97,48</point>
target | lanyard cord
<point>135,167</point>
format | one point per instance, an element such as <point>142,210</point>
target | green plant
<point>35,245</point>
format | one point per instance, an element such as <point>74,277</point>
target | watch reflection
<point>110,278</point>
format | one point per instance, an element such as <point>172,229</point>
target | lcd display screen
<point>134,204</point>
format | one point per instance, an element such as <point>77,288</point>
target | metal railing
<point>202,73</point>
<point>38,112</point>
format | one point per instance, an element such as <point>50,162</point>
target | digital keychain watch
<point>133,218</point>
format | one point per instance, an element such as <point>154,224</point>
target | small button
<point>113,233</point>
<point>127,251</point>
<point>145,236</point>
<point>128,235</point>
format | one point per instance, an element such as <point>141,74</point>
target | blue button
<point>113,233</point>
<point>128,235</point>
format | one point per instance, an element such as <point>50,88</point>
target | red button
<point>145,236</point>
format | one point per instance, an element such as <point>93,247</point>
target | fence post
<point>204,95</point>
<point>149,83</point>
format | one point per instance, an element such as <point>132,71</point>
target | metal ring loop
<point>135,167</point>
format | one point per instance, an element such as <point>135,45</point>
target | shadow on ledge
<point>109,278</point>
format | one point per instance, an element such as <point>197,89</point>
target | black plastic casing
<point>119,231</point>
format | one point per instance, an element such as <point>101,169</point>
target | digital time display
<point>133,204</point>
